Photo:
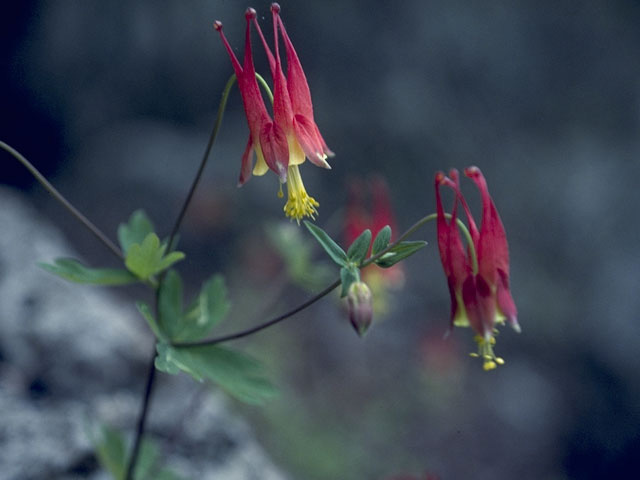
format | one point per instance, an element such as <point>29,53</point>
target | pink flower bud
<point>360,303</point>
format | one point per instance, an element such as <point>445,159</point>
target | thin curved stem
<point>332,286</point>
<point>420,223</point>
<point>207,151</point>
<point>142,417</point>
<point>203,162</point>
<point>61,199</point>
<point>261,326</point>
<point>265,86</point>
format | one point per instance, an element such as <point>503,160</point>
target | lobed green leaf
<point>170,304</point>
<point>135,230</point>
<point>296,251</point>
<point>334,250</point>
<point>400,252</point>
<point>111,451</point>
<point>238,374</point>
<point>113,456</point>
<point>145,311</point>
<point>74,271</point>
<point>382,240</point>
<point>147,258</point>
<point>207,310</point>
<point>359,248</point>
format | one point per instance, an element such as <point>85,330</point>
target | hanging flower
<point>266,138</point>
<point>294,134</point>
<point>479,287</point>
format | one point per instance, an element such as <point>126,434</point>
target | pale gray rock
<point>73,356</point>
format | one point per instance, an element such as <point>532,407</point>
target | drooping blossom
<point>295,134</point>
<point>480,293</point>
<point>266,138</point>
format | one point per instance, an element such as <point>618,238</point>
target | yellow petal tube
<point>299,203</point>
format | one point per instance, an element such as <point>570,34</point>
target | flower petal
<point>275,149</point>
<point>306,134</point>
<point>247,160</point>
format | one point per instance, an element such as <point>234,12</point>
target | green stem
<point>416,226</point>
<point>265,86</point>
<point>203,162</point>
<point>207,151</point>
<point>60,198</point>
<point>261,326</point>
<point>327,290</point>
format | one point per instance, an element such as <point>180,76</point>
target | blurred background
<point>114,102</point>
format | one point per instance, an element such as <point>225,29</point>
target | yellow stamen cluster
<point>485,351</point>
<point>299,203</point>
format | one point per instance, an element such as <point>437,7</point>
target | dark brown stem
<point>142,417</point>
<point>261,326</point>
<point>203,162</point>
<point>60,198</point>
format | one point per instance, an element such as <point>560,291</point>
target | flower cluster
<point>478,278</point>
<point>283,142</point>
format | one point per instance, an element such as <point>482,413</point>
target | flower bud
<point>360,306</point>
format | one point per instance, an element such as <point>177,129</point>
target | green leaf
<point>135,230</point>
<point>169,260</point>
<point>332,248</point>
<point>296,251</point>
<point>166,474</point>
<point>164,360</point>
<point>145,311</point>
<point>207,310</point>
<point>111,451</point>
<point>74,271</point>
<point>348,275</point>
<point>238,374</point>
<point>148,457</point>
<point>170,304</point>
<point>359,248</point>
<point>147,259</point>
<point>382,240</point>
<point>113,455</point>
<point>400,252</point>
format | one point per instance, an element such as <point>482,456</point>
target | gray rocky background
<point>114,100</point>
<point>73,358</point>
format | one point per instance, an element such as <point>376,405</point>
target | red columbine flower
<point>293,111</point>
<point>304,125</point>
<point>294,133</point>
<point>480,295</point>
<point>266,138</point>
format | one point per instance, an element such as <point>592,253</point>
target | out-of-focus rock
<point>72,356</point>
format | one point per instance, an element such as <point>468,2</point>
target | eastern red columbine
<point>480,295</point>
<point>283,143</point>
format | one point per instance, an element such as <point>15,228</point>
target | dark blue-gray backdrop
<point>114,100</point>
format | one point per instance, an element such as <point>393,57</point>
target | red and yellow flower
<point>479,287</point>
<point>281,144</point>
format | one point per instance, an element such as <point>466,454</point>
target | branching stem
<point>327,290</point>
